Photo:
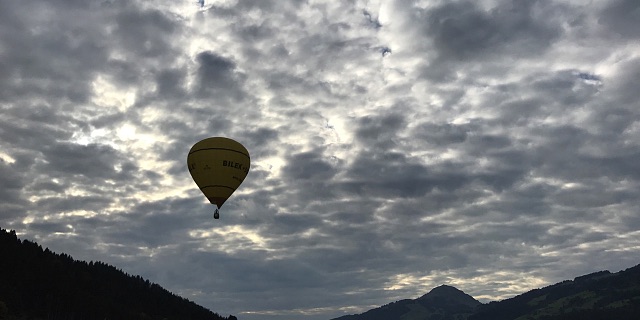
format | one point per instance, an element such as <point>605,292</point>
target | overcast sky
<point>492,145</point>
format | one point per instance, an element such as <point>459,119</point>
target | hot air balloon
<point>218,165</point>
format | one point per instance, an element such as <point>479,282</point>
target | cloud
<point>216,76</point>
<point>621,17</point>
<point>463,30</point>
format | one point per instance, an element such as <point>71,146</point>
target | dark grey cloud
<point>390,176</point>
<point>12,202</point>
<point>621,17</point>
<point>92,161</point>
<point>372,20</point>
<point>72,203</point>
<point>56,61</point>
<point>440,134</point>
<point>145,33</point>
<point>463,30</point>
<point>455,34</point>
<point>380,131</point>
<point>32,126</point>
<point>260,141</point>
<point>170,83</point>
<point>217,77</point>
<point>308,166</point>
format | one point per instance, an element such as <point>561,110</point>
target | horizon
<point>394,145</point>
<point>418,297</point>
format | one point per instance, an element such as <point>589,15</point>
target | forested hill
<point>40,284</point>
<point>597,296</point>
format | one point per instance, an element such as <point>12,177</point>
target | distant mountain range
<point>441,303</point>
<point>598,296</point>
<point>39,284</point>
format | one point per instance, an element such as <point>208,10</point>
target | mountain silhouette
<point>39,284</point>
<point>597,296</point>
<point>441,303</point>
<point>445,295</point>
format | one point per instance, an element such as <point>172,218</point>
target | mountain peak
<point>442,302</point>
<point>449,295</point>
<point>443,290</point>
<point>599,295</point>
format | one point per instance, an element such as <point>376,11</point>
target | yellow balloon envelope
<point>218,166</point>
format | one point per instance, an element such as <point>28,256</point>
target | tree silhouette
<point>40,284</point>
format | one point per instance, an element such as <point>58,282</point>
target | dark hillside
<point>441,303</point>
<point>597,296</point>
<point>40,284</point>
<point>600,295</point>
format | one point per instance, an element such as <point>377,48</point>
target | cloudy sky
<point>492,145</point>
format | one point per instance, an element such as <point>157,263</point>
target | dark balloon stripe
<point>240,152</point>
<point>218,186</point>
